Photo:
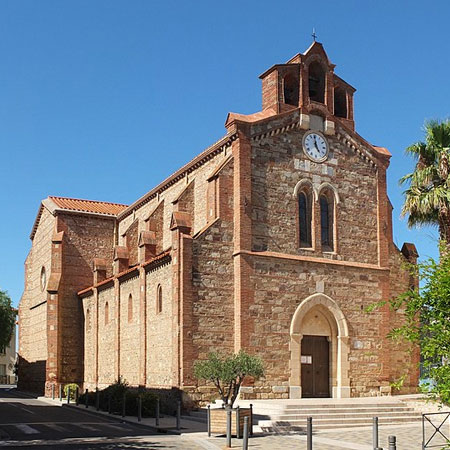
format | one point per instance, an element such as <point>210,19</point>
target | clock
<point>315,146</point>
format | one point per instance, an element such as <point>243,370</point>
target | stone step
<point>331,410</point>
<point>341,422</point>
<point>322,415</point>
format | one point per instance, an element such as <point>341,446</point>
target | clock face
<point>315,146</point>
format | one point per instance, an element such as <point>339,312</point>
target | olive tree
<point>227,372</point>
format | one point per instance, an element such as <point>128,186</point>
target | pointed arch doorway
<point>319,350</point>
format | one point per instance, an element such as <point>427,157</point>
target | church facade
<point>274,240</point>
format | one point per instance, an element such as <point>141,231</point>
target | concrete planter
<point>218,420</point>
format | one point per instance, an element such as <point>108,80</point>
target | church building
<point>275,240</point>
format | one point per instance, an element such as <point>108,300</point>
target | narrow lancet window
<point>130,308</point>
<point>305,216</point>
<point>106,313</point>
<point>159,302</point>
<point>326,222</point>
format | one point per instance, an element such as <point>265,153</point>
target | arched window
<point>316,82</point>
<point>305,218</point>
<point>88,319</point>
<point>106,313</point>
<point>326,221</point>
<point>130,308</point>
<point>290,90</point>
<point>159,299</point>
<point>340,103</point>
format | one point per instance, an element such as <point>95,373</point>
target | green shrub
<point>114,394</point>
<point>73,387</point>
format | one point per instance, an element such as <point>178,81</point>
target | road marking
<point>27,410</point>
<point>25,428</point>
<point>55,427</point>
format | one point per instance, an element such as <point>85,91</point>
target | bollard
<point>86,399</point>
<point>109,402</point>
<point>208,420</point>
<point>251,419</point>
<point>245,437</point>
<point>97,399</point>
<point>68,395</point>
<point>124,403</point>
<point>375,432</point>
<point>228,444</point>
<point>392,443</point>
<point>309,434</point>
<point>238,417</point>
<point>178,415</point>
<point>157,413</point>
<point>77,395</point>
<point>53,392</point>
<point>139,400</point>
<point>60,392</point>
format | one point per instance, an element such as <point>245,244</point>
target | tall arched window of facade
<point>326,203</point>
<point>305,218</point>
<point>130,308</point>
<point>159,304</point>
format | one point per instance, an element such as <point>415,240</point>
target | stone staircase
<point>284,416</point>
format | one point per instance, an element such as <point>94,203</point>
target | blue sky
<point>104,99</point>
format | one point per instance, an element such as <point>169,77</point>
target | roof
<point>91,206</point>
<point>75,205</point>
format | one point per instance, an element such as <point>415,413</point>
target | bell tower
<point>308,82</point>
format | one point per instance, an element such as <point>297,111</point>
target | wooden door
<point>315,366</point>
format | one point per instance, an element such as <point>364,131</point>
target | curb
<point>123,420</point>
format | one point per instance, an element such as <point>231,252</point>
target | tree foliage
<point>427,323</point>
<point>7,319</point>
<point>427,198</point>
<point>227,372</point>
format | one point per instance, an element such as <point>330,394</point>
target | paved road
<point>28,423</point>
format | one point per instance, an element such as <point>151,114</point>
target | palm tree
<point>427,198</point>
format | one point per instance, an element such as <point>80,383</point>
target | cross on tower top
<point>314,36</point>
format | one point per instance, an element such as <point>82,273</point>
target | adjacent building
<point>275,239</point>
<point>8,360</point>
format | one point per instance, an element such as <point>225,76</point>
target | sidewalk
<point>192,434</point>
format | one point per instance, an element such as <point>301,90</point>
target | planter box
<point>218,420</point>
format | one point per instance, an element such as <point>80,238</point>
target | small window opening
<point>290,90</point>
<point>316,83</point>
<point>106,313</point>
<point>326,222</point>
<point>159,299</point>
<point>130,308</point>
<point>340,103</point>
<point>88,319</point>
<point>305,217</point>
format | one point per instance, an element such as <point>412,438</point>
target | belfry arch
<point>319,315</point>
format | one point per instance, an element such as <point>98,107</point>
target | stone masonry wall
<point>279,164</point>
<point>281,285</point>
<point>106,332</point>
<point>33,318</point>
<point>200,175</point>
<point>90,331</point>
<point>129,330</point>
<point>159,328</point>
<point>86,238</point>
